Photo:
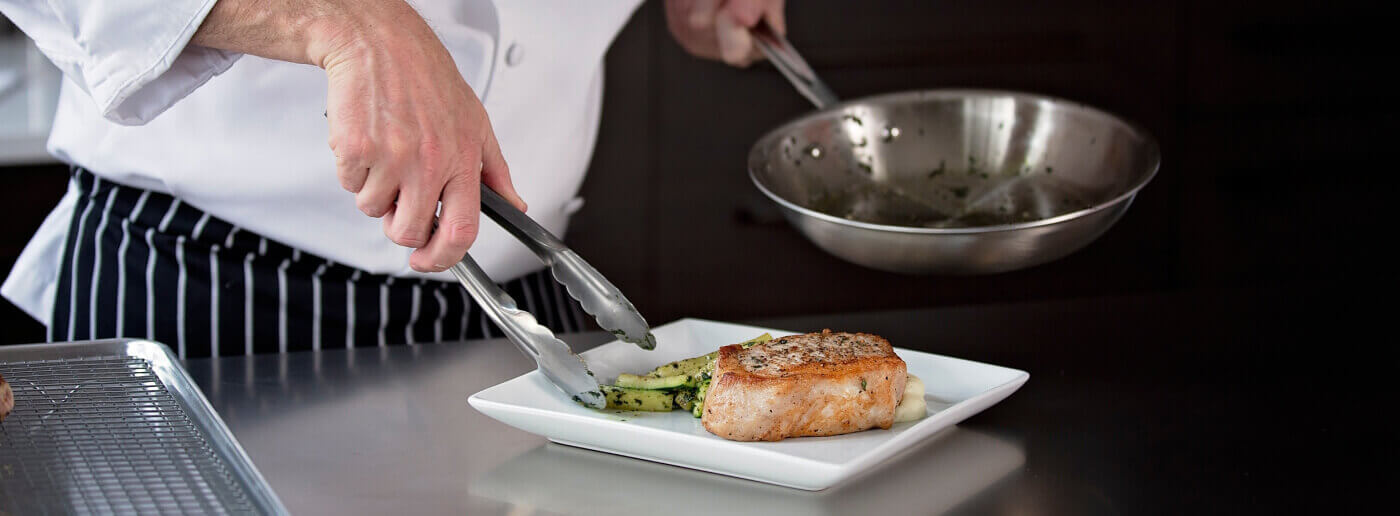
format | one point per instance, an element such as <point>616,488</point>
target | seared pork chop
<point>804,385</point>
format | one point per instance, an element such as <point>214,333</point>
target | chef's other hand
<point>406,129</point>
<point>719,29</point>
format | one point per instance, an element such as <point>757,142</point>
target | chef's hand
<point>406,129</point>
<point>719,29</point>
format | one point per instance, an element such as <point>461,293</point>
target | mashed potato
<point>912,407</point>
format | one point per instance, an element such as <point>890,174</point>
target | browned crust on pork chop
<point>814,384</point>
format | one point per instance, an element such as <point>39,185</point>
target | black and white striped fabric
<point>143,264</point>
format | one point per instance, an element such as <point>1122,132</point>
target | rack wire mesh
<point>103,435</point>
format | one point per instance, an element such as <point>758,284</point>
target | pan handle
<point>783,56</point>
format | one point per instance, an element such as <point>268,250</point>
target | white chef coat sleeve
<point>131,56</point>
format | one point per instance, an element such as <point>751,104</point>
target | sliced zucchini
<point>687,366</point>
<point>682,384</point>
<point>702,389</point>
<point>623,398</point>
<point>756,340</point>
<point>701,377</point>
<point>633,381</point>
<point>685,398</point>
<point>696,364</point>
<point>746,345</point>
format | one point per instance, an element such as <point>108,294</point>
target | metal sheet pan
<point>117,426</point>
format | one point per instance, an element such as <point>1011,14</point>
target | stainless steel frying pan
<point>947,181</point>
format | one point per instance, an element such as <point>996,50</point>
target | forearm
<point>304,31</point>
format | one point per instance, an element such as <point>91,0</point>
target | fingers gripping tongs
<point>585,284</point>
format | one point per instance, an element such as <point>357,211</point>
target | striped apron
<point>142,264</point>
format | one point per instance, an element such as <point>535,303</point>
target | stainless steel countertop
<point>1159,403</point>
<point>389,431</point>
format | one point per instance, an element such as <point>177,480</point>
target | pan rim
<point>1152,147</point>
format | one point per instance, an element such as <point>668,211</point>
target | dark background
<point>1271,119</point>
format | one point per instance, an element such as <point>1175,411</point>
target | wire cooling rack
<point>117,427</point>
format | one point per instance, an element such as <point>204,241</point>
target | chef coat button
<point>514,54</point>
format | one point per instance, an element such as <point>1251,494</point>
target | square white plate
<point>955,389</point>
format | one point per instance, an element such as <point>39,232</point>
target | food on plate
<point>912,406</point>
<point>626,398</point>
<point>7,398</point>
<point>824,383</point>
<point>684,380</point>
<point>804,385</point>
<point>633,381</point>
<point>668,387</point>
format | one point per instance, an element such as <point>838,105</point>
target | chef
<point>230,158</point>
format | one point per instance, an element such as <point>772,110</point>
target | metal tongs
<point>786,59</point>
<point>585,284</point>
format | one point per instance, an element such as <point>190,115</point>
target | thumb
<point>496,174</point>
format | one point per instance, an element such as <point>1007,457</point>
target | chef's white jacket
<point>244,138</point>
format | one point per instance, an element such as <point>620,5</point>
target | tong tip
<point>591,399</point>
<point>647,341</point>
